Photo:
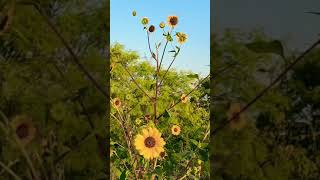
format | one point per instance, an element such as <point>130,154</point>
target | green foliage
<point>42,82</point>
<point>281,138</point>
<point>192,117</point>
<point>274,46</point>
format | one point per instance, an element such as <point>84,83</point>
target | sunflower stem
<point>164,50</point>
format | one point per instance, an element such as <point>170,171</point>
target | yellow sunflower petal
<point>145,133</point>
<point>162,143</point>
<point>155,153</point>
<point>156,133</point>
<point>159,149</point>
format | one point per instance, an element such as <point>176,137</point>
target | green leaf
<point>152,86</point>
<point>194,142</point>
<point>20,35</point>
<point>174,121</point>
<point>274,47</point>
<point>193,76</point>
<point>143,108</point>
<point>206,84</point>
<point>176,54</point>
<point>123,175</point>
<point>166,114</point>
<point>203,145</point>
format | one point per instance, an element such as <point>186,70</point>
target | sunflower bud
<point>162,25</point>
<point>169,38</point>
<point>134,13</point>
<point>145,21</point>
<point>152,28</point>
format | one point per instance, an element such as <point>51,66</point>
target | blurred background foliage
<point>39,81</point>
<point>281,136</point>
<point>186,155</point>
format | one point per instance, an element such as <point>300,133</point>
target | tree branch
<point>75,59</point>
<point>136,82</point>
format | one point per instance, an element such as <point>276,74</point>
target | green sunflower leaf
<point>123,175</point>
<point>166,114</point>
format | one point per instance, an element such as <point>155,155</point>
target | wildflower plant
<point>160,119</point>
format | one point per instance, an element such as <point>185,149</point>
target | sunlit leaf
<point>274,47</point>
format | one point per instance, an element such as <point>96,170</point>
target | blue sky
<point>194,20</point>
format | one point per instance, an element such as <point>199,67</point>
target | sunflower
<point>175,130</point>
<point>172,21</point>
<point>162,25</point>
<point>238,122</point>
<point>181,37</point>
<point>149,143</point>
<point>117,102</point>
<point>23,128</point>
<point>184,98</point>
<point>145,21</point>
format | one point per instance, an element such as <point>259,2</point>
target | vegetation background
<point>39,79</point>
<point>254,41</point>
<point>186,155</point>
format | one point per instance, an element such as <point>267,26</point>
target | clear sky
<point>194,20</point>
<point>281,19</point>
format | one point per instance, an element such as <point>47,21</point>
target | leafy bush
<point>141,100</point>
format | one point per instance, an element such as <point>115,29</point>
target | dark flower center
<point>117,103</point>
<point>150,142</point>
<point>22,131</point>
<point>175,129</point>
<point>173,21</point>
